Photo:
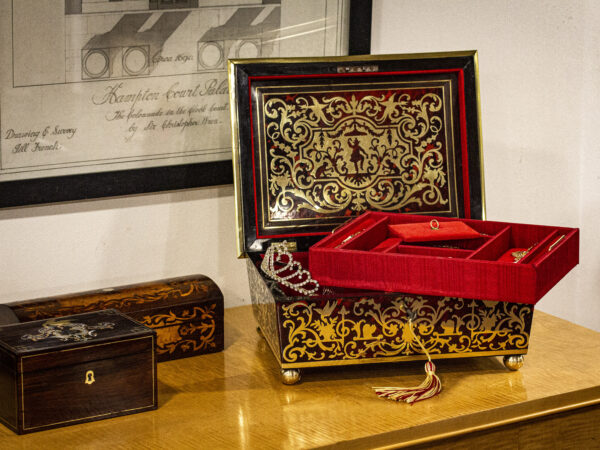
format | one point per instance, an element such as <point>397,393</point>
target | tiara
<point>288,270</point>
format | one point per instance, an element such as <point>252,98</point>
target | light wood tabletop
<point>235,399</point>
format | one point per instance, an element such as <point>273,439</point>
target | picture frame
<point>156,178</point>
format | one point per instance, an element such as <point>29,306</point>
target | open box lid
<point>317,141</point>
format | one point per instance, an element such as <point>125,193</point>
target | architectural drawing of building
<point>128,38</point>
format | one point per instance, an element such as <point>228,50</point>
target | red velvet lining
<point>366,237</point>
<point>386,244</point>
<point>494,247</point>
<point>344,238</point>
<point>433,231</point>
<point>432,251</point>
<point>508,255</point>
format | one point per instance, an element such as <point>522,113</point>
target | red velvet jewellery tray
<point>504,261</point>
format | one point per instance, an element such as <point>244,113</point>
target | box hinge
<point>292,246</point>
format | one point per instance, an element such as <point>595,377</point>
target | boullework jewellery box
<point>317,142</point>
<point>74,369</point>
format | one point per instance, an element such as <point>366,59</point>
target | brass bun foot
<point>513,362</point>
<point>290,376</point>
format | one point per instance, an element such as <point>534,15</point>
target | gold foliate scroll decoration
<point>342,153</point>
<point>371,328</point>
<point>189,330</point>
<point>122,301</point>
<point>263,305</point>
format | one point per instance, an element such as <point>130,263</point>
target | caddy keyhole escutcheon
<point>89,377</point>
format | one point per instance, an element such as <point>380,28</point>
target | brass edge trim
<point>266,337</point>
<point>22,399</point>
<point>272,347</point>
<point>383,359</point>
<point>8,425</point>
<point>85,346</point>
<point>279,337</point>
<point>236,161</point>
<point>120,411</point>
<point>452,150</point>
<point>357,58</point>
<point>495,424</point>
<point>16,381</point>
<point>154,375</point>
<point>479,129</point>
<point>88,417</point>
<point>14,427</point>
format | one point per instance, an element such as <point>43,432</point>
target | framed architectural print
<point>103,98</point>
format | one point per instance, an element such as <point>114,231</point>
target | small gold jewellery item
<point>555,243</point>
<point>434,224</point>
<point>520,254</point>
<point>347,238</point>
<point>278,254</point>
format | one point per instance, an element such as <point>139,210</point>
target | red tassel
<point>431,387</point>
<point>427,389</point>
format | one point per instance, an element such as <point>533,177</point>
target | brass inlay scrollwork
<point>263,306</point>
<point>195,313</point>
<point>330,154</point>
<point>184,335</point>
<point>370,328</point>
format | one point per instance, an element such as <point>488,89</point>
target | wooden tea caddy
<point>186,312</point>
<point>75,369</point>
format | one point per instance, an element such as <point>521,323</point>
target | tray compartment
<point>514,238</point>
<point>386,245</point>
<point>494,248</point>
<point>462,244</point>
<point>430,251</point>
<point>454,272</point>
<point>369,235</point>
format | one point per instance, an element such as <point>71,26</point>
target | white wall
<point>540,85</point>
<point>539,66</point>
<point>70,247</point>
